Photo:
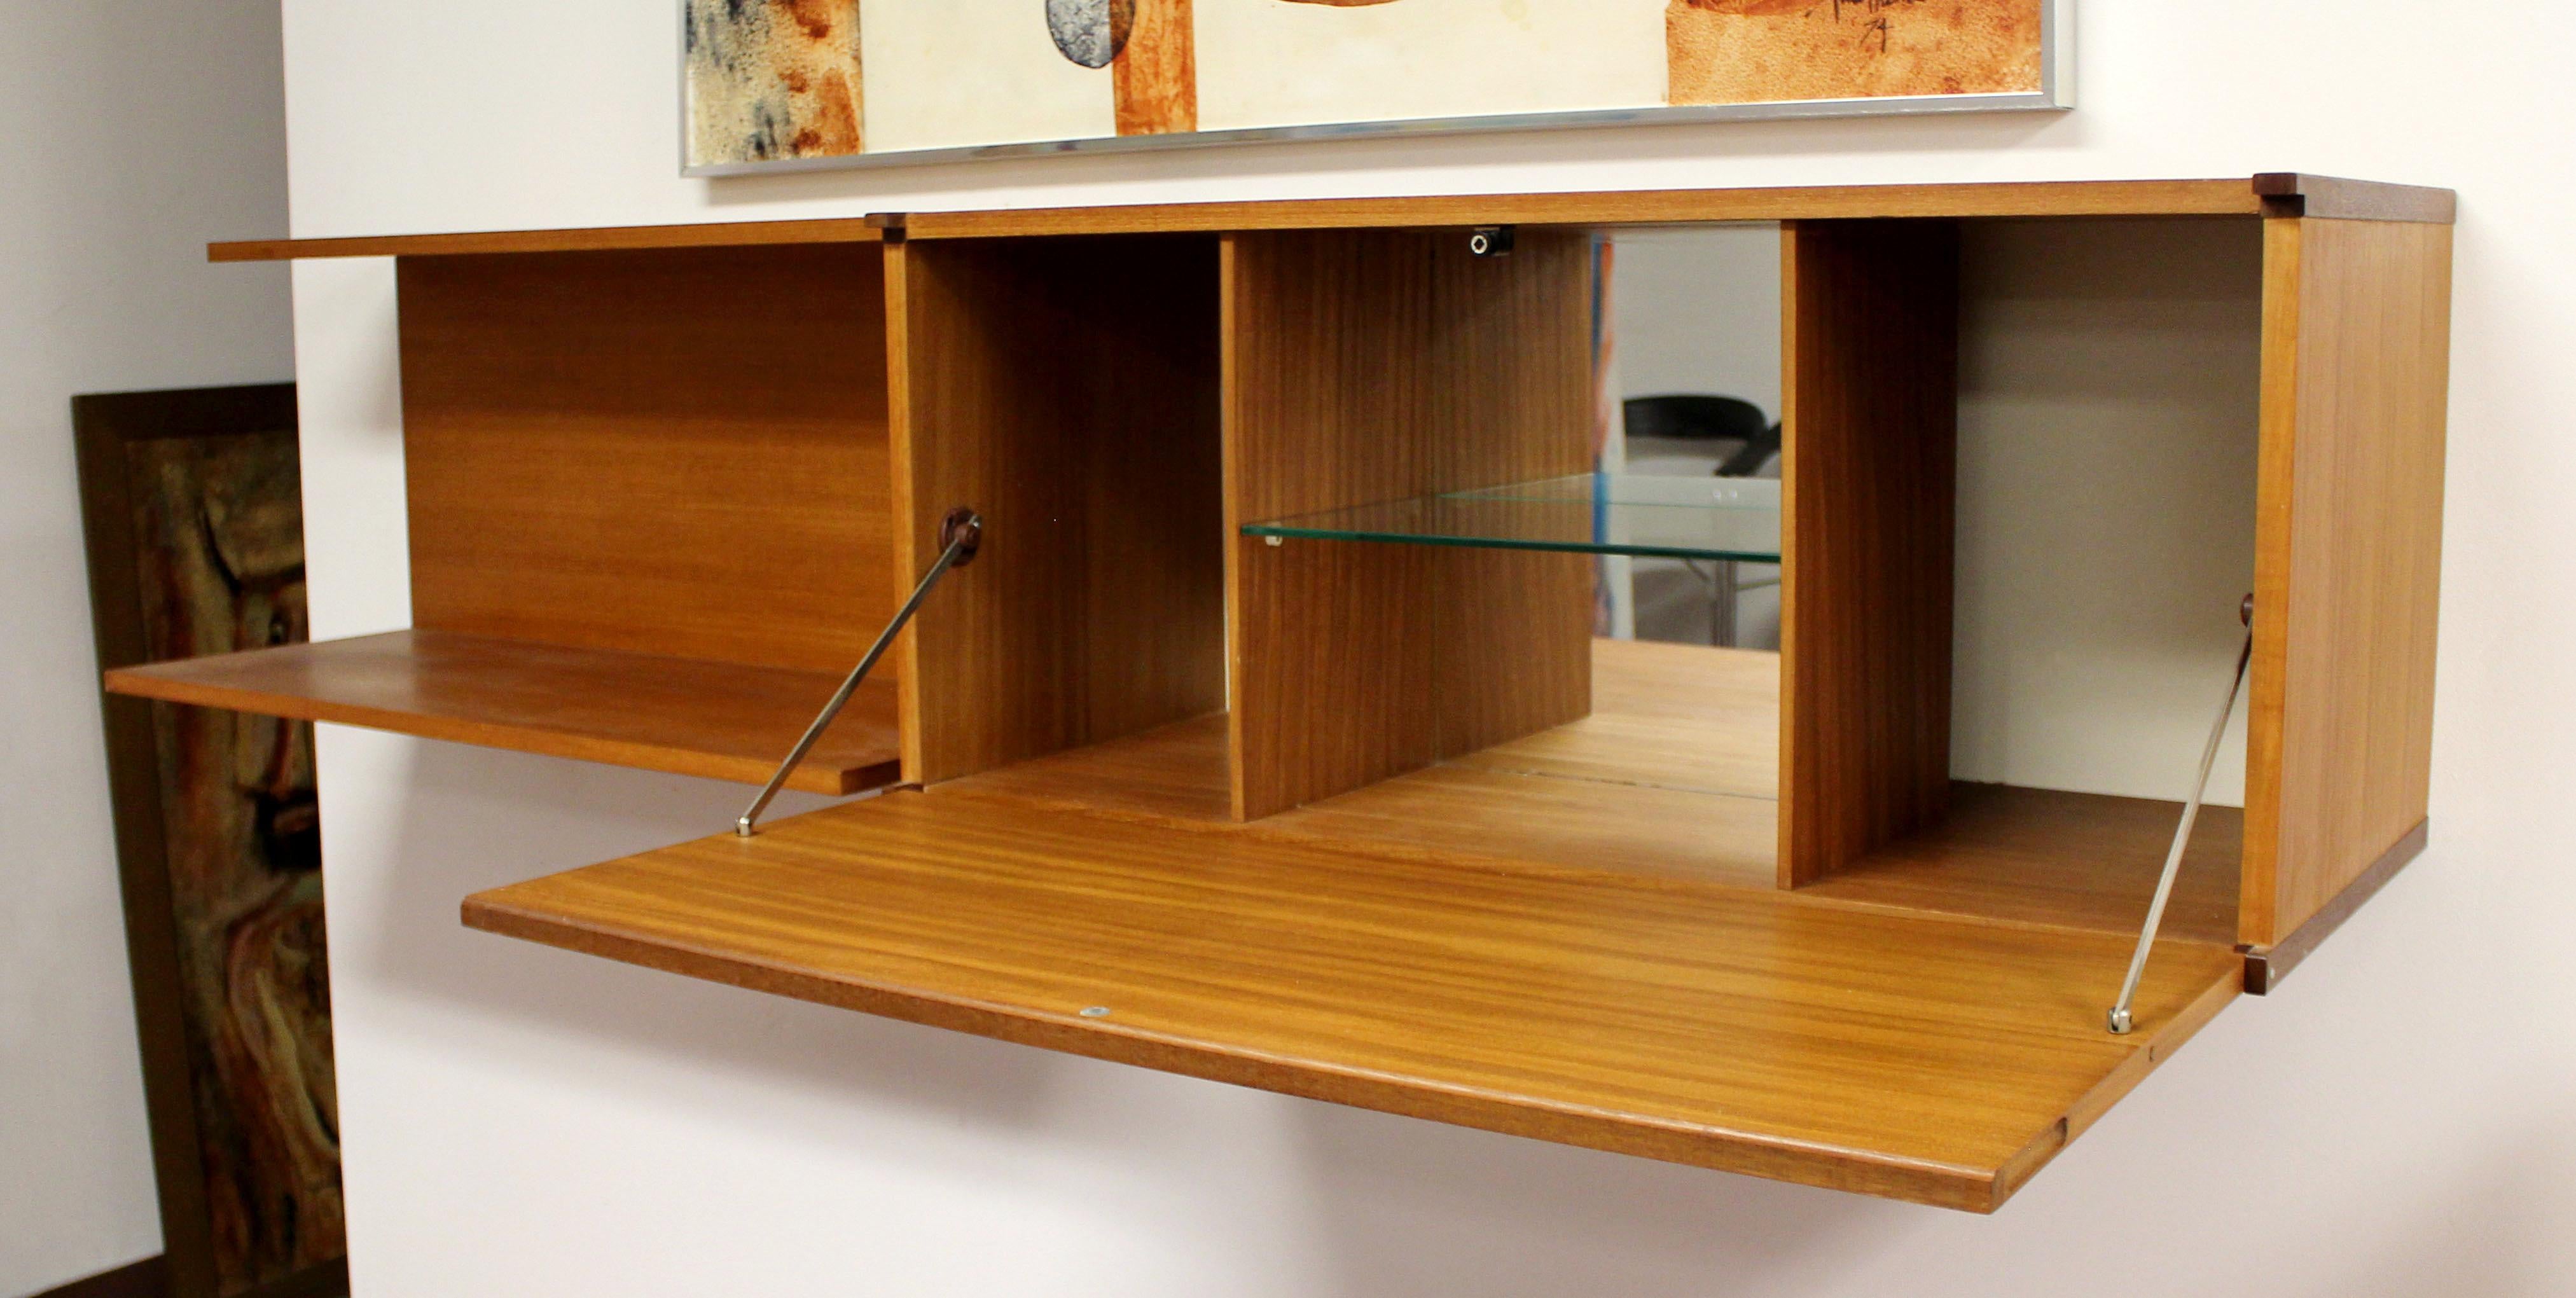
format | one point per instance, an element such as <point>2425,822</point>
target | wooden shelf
<point>1675,774</point>
<point>725,721</point>
<point>2275,193</point>
<point>711,234</point>
<point>1933,1059</point>
<point>2038,856</point>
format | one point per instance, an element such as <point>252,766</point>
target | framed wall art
<point>192,504</point>
<point>770,84</point>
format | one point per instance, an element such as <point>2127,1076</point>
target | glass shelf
<point>1591,513</point>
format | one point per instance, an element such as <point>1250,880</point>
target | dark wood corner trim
<point>148,1278</point>
<point>2265,967</point>
<point>2291,193</point>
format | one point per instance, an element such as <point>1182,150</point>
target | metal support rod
<point>2120,1020</point>
<point>961,533</point>
<point>1727,588</point>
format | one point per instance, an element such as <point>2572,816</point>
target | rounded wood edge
<point>500,912</point>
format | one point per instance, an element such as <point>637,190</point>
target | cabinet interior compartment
<point>1067,390</point>
<point>648,516</point>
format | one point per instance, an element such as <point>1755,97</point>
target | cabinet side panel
<point>678,451</point>
<point>1067,391</point>
<point>1870,468</point>
<point>1365,366</point>
<point>2349,552</point>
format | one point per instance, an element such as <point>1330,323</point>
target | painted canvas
<point>194,507</point>
<point>787,82</point>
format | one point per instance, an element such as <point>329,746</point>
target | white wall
<point>523,1121</point>
<point>1699,311</point>
<point>2108,376</point>
<point>129,132</point>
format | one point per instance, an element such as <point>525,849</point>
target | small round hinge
<point>963,528</point>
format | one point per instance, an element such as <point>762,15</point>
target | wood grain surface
<point>1673,775</point>
<point>1670,716</point>
<point>1937,1060</point>
<point>1371,366</point>
<point>2336,198</point>
<point>709,234</point>
<point>1462,811</point>
<point>2237,196</point>
<point>2230,197</point>
<point>2038,856</point>
<point>723,721</point>
<point>1675,716</point>
<point>1659,781</point>
<point>678,452</point>
<point>1869,323</point>
<point>2347,567</point>
<point>1068,392</point>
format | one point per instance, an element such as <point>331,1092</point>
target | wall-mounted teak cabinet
<point>1267,739</point>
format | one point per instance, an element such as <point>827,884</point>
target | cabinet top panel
<point>2272,193</point>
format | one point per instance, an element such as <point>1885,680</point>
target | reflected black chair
<point>1749,441</point>
<point>1694,417</point>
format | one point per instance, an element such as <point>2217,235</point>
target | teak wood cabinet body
<point>1377,823</point>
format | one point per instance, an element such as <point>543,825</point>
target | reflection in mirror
<point>1691,380</point>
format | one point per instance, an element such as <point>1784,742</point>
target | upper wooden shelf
<point>713,234</point>
<point>724,721</point>
<point>2271,193</point>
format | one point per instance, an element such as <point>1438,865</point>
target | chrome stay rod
<point>2120,1019</point>
<point>962,532</point>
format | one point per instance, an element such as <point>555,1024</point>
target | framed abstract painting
<point>769,84</point>
<point>193,508</point>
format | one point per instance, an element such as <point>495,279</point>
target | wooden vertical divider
<point>1514,397</point>
<point>2356,345</point>
<point>679,451</point>
<point>1067,390</point>
<point>1366,366</point>
<point>1869,323</point>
